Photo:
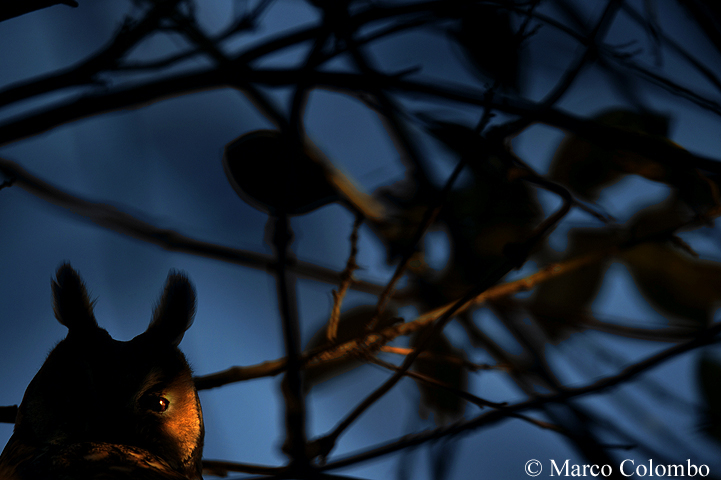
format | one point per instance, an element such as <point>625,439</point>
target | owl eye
<point>155,403</point>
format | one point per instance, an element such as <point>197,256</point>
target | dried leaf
<point>587,167</point>
<point>676,284</point>
<point>560,304</point>
<point>269,173</point>
<point>709,378</point>
<point>445,405</point>
<point>492,209</point>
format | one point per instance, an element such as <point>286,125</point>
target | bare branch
<point>110,217</point>
<point>707,337</point>
<point>347,276</point>
<point>437,383</point>
<point>473,367</point>
<point>129,35</point>
<point>375,341</point>
<point>291,386</point>
<point>16,8</point>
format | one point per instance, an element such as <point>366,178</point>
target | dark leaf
<point>406,207</point>
<point>490,44</point>
<point>496,209</point>
<point>491,209</point>
<point>709,378</point>
<point>587,167</point>
<point>560,304</point>
<point>676,284</point>
<point>671,279</point>
<point>269,173</point>
<point>445,405</point>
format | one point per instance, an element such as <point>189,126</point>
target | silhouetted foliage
<point>468,93</point>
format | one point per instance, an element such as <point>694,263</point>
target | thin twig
<point>347,280</point>
<point>129,35</point>
<point>376,340</point>
<point>438,383</point>
<point>569,77</point>
<point>675,46</point>
<point>125,97</point>
<point>429,217</point>
<point>706,337</point>
<point>241,24</point>
<point>473,367</point>
<point>669,85</point>
<point>594,38</point>
<point>112,218</point>
<point>240,374</point>
<point>262,101</point>
<point>326,443</point>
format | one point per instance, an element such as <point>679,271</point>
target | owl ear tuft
<point>175,311</point>
<point>71,303</point>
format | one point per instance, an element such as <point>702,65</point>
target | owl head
<point>100,405</point>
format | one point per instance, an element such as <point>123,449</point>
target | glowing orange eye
<point>155,403</point>
<point>162,405</point>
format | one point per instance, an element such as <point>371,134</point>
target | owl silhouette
<point>99,408</point>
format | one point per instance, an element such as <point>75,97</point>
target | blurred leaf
<point>675,283</point>
<point>671,279</point>
<point>587,167</point>
<point>351,325</point>
<point>561,303</point>
<point>709,377</point>
<point>662,217</point>
<point>269,173</point>
<point>496,209</point>
<point>490,210</point>
<point>445,405</point>
<point>493,209</point>
<point>405,207</point>
<point>490,44</point>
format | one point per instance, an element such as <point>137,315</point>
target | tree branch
<point>707,337</point>
<point>129,35</point>
<point>12,9</point>
<point>111,218</point>
<point>374,341</point>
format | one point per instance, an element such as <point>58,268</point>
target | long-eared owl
<point>99,408</point>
